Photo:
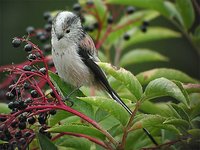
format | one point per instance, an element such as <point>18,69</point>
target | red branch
<point>82,136</point>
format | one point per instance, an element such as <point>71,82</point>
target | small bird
<point>75,56</point>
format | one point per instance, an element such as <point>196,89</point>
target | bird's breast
<point>68,63</point>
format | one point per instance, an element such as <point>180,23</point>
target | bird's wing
<point>87,54</point>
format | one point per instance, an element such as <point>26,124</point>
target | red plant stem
<point>83,136</point>
<point>126,129</point>
<point>109,29</point>
<point>125,24</point>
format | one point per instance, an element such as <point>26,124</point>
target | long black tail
<point>115,96</point>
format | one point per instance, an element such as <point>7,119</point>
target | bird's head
<point>66,25</point>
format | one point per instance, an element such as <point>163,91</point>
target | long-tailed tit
<point>75,56</point>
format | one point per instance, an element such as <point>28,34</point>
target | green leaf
<point>151,4</point>
<point>4,108</point>
<point>65,89</point>
<point>177,122</point>
<point>125,77</point>
<point>155,108</point>
<point>179,112</point>
<point>195,133</point>
<point>60,115</point>
<point>173,12</point>
<point>109,122</point>
<point>110,106</point>
<point>77,143</point>
<point>141,56</point>
<point>171,74</point>
<point>154,121</point>
<point>78,129</point>
<point>152,34</point>
<point>45,143</point>
<point>3,142</point>
<point>186,10</point>
<point>163,87</point>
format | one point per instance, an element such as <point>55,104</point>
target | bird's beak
<point>59,36</point>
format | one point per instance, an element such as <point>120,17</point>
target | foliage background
<point>16,15</point>
<point>183,116</point>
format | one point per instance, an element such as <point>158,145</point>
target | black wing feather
<point>100,76</point>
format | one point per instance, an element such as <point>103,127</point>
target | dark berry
<point>27,68</point>
<point>77,7</point>
<point>126,36</point>
<point>47,27</point>
<point>32,57</point>
<point>110,20</point>
<point>91,28</point>
<point>2,119</point>
<point>48,135</point>
<point>22,118</point>
<point>52,94</point>
<point>39,34</point>
<point>14,124</point>
<point>16,42</point>
<point>11,105</point>
<point>50,63</point>
<point>18,134</point>
<point>90,3</point>
<point>52,112</point>
<point>47,47</point>
<point>86,28</point>
<point>145,23</point>
<point>14,110</point>
<point>31,120</point>
<point>34,93</point>
<point>130,10</point>
<point>82,19</point>
<point>28,100</point>
<point>26,86</point>
<point>42,119</point>
<point>16,104</point>
<point>22,141</point>
<point>13,143</point>
<point>43,70</point>
<point>47,15</point>
<point>7,134</point>
<point>33,70</point>
<point>30,30</point>
<point>22,125</point>
<point>42,130</point>
<point>23,106</point>
<point>10,95</point>
<point>27,134</point>
<point>43,38</point>
<point>96,25</point>
<point>143,28</point>
<point>28,47</point>
<point>50,20</point>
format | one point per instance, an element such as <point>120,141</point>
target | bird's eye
<point>67,31</point>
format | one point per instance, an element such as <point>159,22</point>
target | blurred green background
<point>16,15</point>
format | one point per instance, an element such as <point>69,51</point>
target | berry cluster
<point>25,96</point>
